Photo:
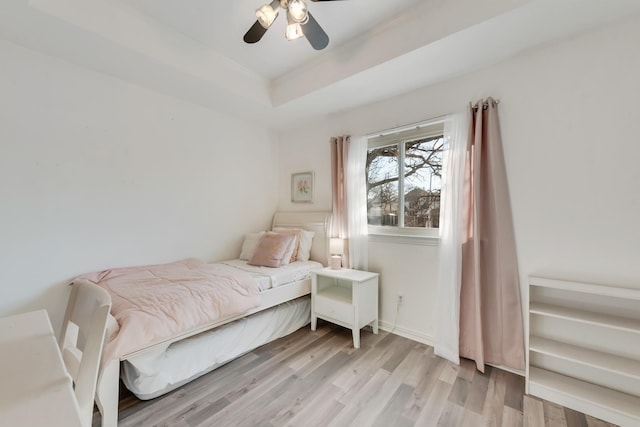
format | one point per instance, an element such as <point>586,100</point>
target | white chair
<point>82,339</point>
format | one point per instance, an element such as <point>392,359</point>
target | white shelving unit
<point>583,348</point>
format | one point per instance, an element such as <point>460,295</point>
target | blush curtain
<point>349,219</point>
<point>491,328</point>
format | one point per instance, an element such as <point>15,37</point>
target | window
<point>403,180</point>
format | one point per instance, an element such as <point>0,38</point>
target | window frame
<point>399,137</point>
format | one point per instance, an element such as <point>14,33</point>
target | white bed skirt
<point>152,374</point>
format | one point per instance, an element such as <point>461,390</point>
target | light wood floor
<point>319,379</point>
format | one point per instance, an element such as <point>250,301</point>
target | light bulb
<point>267,13</point>
<point>297,10</point>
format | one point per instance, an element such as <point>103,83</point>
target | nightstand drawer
<point>333,309</point>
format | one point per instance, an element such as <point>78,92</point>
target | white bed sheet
<point>157,372</point>
<point>268,277</point>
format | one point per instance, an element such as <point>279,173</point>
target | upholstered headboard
<point>318,222</point>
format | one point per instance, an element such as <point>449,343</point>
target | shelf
<point>337,293</point>
<point>586,288</point>
<point>583,396</point>
<point>356,276</point>
<point>608,321</point>
<point>596,359</point>
<point>586,357</point>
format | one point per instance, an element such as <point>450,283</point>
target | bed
<point>150,370</point>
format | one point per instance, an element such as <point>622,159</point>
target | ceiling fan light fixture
<point>294,31</point>
<point>267,13</point>
<point>299,19</point>
<point>297,11</point>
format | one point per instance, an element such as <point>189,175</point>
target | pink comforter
<point>155,302</point>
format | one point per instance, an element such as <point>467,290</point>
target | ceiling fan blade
<point>315,34</point>
<point>255,33</point>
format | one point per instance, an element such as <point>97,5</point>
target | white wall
<point>98,173</point>
<point>569,116</point>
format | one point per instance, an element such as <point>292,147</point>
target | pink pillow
<point>306,238</point>
<point>296,243</point>
<point>272,249</point>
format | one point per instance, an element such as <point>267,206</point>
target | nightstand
<point>345,297</point>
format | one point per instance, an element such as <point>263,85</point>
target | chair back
<point>82,340</point>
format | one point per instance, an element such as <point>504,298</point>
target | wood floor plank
<point>371,361</point>
<point>449,373</point>
<point>391,414</point>
<point>319,410</point>
<point>202,416</point>
<point>320,353</point>
<point>513,398</point>
<point>477,392</point>
<point>407,366</point>
<point>401,348</point>
<point>459,391</point>
<point>315,381</point>
<point>424,388</point>
<point>452,415</point>
<point>553,415</point>
<point>356,401</point>
<point>511,417</point>
<point>317,378</point>
<point>533,412</point>
<point>374,407</point>
<point>434,404</point>
<point>594,422</point>
<point>494,401</point>
<point>419,368</point>
<point>256,407</point>
<point>472,418</point>
<point>574,419</point>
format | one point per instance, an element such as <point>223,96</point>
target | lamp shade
<point>336,246</point>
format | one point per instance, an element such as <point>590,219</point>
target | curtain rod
<point>409,126</point>
<point>485,104</point>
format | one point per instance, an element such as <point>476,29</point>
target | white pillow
<point>249,245</point>
<point>306,238</point>
<point>293,246</point>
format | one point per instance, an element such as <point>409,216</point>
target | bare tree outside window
<point>419,163</point>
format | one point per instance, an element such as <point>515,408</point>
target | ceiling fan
<point>300,23</point>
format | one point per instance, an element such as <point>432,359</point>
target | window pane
<point>422,172</point>
<point>382,185</point>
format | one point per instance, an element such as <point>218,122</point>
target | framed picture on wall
<point>302,187</point>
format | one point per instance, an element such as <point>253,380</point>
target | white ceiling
<point>220,25</point>
<point>193,49</point>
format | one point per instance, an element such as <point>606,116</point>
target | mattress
<point>159,371</point>
<point>268,277</point>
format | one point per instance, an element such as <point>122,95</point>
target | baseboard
<point>406,333</point>
<point>508,369</point>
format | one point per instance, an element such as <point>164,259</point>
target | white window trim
<point>400,233</point>
<point>405,235</point>
<point>410,239</point>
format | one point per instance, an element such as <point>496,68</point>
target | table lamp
<point>336,249</point>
